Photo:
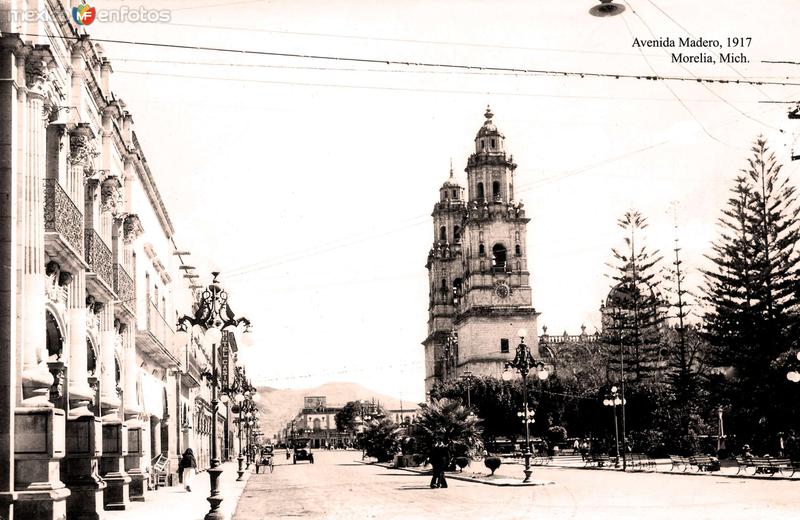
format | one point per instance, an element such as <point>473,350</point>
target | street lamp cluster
<point>243,394</point>
<point>523,362</point>
<point>613,400</point>
<point>212,317</point>
<point>794,375</point>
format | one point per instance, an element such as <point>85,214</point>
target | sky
<point>309,182</point>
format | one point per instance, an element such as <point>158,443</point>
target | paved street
<point>338,486</point>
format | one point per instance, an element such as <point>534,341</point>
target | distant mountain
<point>279,406</point>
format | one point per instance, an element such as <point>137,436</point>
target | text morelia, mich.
<point>703,57</point>
<point>681,42</point>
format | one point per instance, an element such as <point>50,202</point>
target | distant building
<point>315,423</point>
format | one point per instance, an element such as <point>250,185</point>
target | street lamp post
<point>467,377</point>
<point>524,362</point>
<point>213,315</point>
<point>613,400</point>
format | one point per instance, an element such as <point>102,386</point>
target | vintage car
<point>302,454</point>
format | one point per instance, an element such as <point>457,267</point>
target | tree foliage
<point>381,439</point>
<point>752,294</point>
<point>638,309</point>
<point>449,421</point>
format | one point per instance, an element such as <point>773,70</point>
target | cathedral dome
<point>488,128</point>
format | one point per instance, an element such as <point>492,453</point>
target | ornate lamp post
<point>213,315</point>
<point>467,377</point>
<point>794,375</point>
<point>524,362</point>
<point>613,400</point>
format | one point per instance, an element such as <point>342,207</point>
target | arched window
<point>480,191</point>
<point>518,250</point>
<point>492,143</point>
<point>496,189</point>
<point>443,233</point>
<point>444,284</point>
<point>499,256</point>
<point>481,250</point>
<point>454,194</point>
<point>456,233</point>
<point>457,291</point>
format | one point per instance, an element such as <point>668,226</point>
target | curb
<point>508,482</point>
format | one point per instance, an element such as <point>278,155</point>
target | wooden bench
<point>767,465</point>
<point>678,460</point>
<point>704,463</point>
<point>599,460</point>
<point>641,461</point>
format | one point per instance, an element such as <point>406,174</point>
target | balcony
<point>123,286</point>
<point>63,221</point>
<point>98,256</point>
<point>157,339</point>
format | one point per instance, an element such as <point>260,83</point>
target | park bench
<point>678,460</point>
<point>704,463</point>
<point>599,460</point>
<point>767,465</point>
<point>641,461</point>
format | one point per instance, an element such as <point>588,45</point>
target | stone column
<point>38,426</point>
<point>115,433</point>
<point>135,466</point>
<point>79,470</point>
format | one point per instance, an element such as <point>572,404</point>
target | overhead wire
<point>410,63</point>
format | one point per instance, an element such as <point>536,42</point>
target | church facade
<point>480,289</point>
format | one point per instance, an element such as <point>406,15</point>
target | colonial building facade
<point>94,392</point>
<point>480,292</point>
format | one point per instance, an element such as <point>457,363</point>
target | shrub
<point>462,462</point>
<point>492,463</point>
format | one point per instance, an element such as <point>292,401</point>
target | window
<point>444,284</point>
<point>480,190</point>
<point>499,256</point>
<point>504,346</point>
<point>518,250</point>
<point>442,233</point>
<point>492,143</point>
<point>456,233</point>
<point>481,250</point>
<point>454,194</point>
<point>496,189</point>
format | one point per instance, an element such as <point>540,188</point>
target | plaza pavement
<point>340,486</point>
<point>174,503</point>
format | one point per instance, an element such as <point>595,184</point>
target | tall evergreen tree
<point>752,291</point>
<point>636,328</point>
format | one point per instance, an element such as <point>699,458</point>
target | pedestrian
<point>576,447</point>
<point>287,453</point>
<point>188,466</point>
<point>440,459</point>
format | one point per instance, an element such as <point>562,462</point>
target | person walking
<point>440,459</point>
<point>188,466</point>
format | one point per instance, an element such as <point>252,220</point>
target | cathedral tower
<point>480,292</point>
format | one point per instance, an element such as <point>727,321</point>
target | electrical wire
<point>454,66</point>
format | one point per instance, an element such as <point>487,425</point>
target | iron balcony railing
<point>160,328</point>
<point>98,256</point>
<point>62,216</point>
<point>123,286</point>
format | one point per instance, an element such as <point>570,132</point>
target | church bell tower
<point>480,292</point>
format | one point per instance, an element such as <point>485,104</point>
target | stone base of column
<point>79,469</point>
<point>133,463</point>
<point>116,496</point>
<point>39,444</point>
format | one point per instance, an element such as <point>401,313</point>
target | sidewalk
<point>177,504</point>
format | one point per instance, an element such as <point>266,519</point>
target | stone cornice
<point>146,177</point>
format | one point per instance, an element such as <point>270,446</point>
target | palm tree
<point>381,439</point>
<point>449,421</point>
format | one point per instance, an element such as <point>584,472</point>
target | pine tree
<point>686,351</point>
<point>752,291</point>
<point>639,309</point>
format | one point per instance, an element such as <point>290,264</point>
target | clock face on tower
<point>502,290</point>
